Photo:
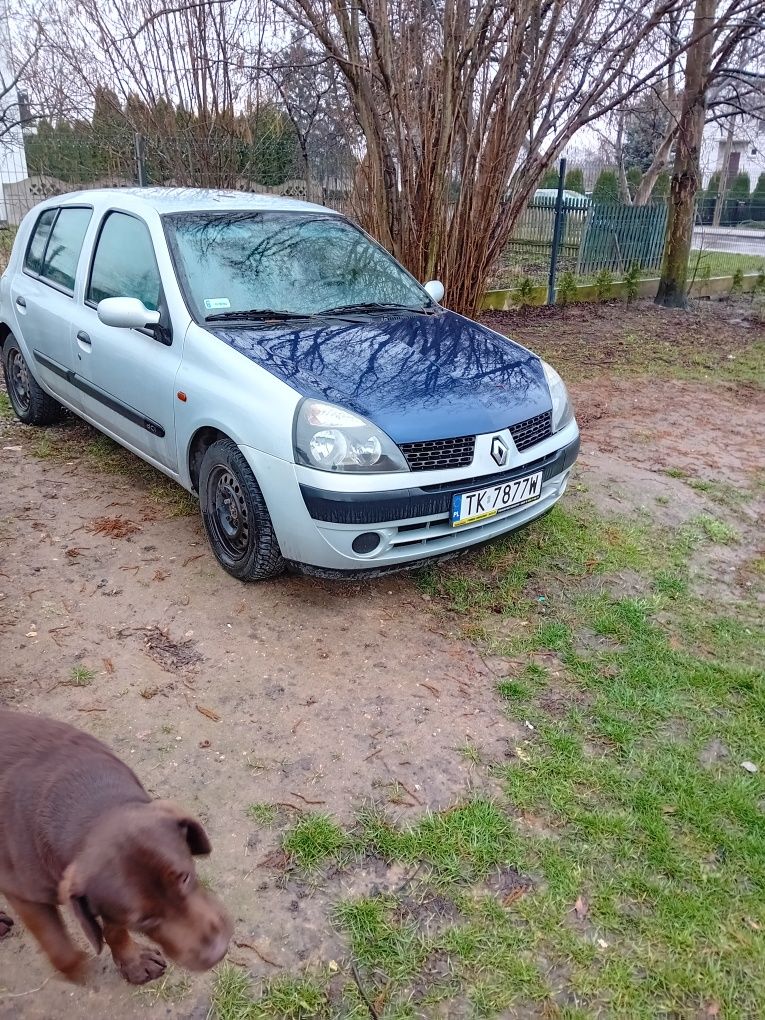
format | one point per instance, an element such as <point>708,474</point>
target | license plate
<point>475,506</point>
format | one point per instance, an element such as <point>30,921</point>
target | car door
<point>126,376</point>
<point>43,295</point>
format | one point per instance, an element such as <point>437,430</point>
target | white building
<point>747,149</point>
<point>13,161</point>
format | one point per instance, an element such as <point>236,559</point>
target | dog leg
<point>137,964</point>
<point>6,923</point>
<point>44,922</point>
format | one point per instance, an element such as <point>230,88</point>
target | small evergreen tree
<point>634,177</point>
<point>661,187</point>
<point>575,180</point>
<point>550,179</point>
<point>566,292</point>
<point>758,200</point>
<point>606,187</point>
<point>604,283</point>
<point>631,281</point>
<point>738,191</point>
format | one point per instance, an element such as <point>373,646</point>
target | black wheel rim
<point>19,383</point>
<point>228,514</point>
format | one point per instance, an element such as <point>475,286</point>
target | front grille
<point>439,453</point>
<point>533,430</point>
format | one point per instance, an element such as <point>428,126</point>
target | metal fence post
<point>140,159</point>
<point>557,233</point>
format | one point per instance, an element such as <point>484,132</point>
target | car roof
<point>169,200</point>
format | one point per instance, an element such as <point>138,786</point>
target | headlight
<point>333,439</point>
<point>562,411</point>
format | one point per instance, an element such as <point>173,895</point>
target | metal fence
<point>38,166</point>
<point>598,237</point>
<point>595,237</point>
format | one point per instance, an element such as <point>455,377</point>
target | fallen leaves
<point>209,713</point>
<point>581,908</point>
<point>113,527</point>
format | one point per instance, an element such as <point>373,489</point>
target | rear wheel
<point>29,400</point>
<point>235,515</point>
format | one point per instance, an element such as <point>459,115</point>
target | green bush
<point>604,283</point>
<point>550,179</point>
<point>523,292</point>
<point>737,284</point>
<point>662,185</point>
<point>575,180</point>
<point>606,187</point>
<point>634,177</point>
<point>631,281</point>
<point>566,292</point>
<point>758,200</point>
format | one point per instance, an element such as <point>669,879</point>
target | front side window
<point>38,241</point>
<point>62,252</point>
<point>290,262</point>
<point>124,264</point>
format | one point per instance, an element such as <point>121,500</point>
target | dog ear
<point>88,921</point>
<point>196,837</point>
<point>69,891</point>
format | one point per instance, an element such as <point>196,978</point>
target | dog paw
<point>75,969</point>
<point>142,966</point>
<point>6,923</point>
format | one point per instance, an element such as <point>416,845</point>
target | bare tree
<point>463,104</point>
<point>716,36</point>
<point>171,69</point>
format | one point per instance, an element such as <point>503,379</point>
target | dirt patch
<point>325,696</point>
<point>593,340</point>
<point>316,696</point>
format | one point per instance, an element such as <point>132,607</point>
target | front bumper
<point>316,526</point>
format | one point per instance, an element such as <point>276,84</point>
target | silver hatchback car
<point>273,359</point>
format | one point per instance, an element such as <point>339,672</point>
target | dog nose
<point>216,948</point>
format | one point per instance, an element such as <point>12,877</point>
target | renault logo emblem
<point>498,452</point>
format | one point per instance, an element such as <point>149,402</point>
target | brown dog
<point>77,828</point>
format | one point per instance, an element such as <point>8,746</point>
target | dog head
<point>136,871</point>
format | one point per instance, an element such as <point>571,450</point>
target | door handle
<point>83,337</point>
<point>21,301</point>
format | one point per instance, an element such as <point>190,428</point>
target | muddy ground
<point>307,695</point>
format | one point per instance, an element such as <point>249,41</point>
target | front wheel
<point>235,515</point>
<point>29,400</point>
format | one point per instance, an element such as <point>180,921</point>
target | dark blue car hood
<point>418,377</point>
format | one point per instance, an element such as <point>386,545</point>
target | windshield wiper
<point>374,306</point>
<point>258,315</point>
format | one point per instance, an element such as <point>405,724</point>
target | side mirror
<point>128,312</point>
<point>435,290</point>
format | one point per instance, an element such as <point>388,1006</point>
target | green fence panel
<point>619,236</point>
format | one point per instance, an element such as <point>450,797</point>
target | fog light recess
<point>366,543</point>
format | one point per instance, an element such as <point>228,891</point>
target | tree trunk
<point>686,174</point>
<point>621,172</point>
<point>722,188</point>
<point>651,176</point>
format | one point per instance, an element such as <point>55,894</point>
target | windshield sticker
<point>213,304</point>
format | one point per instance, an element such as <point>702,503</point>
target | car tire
<point>235,516</point>
<point>28,399</point>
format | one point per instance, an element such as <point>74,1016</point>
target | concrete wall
<point>716,286</point>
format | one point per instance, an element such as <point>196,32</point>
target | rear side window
<point>54,248</point>
<point>38,241</point>
<point>64,246</point>
<point>124,264</point>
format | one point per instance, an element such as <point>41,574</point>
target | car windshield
<point>297,263</point>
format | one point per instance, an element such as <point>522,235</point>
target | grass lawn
<point>613,861</point>
<point>702,264</point>
<point>724,263</point>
